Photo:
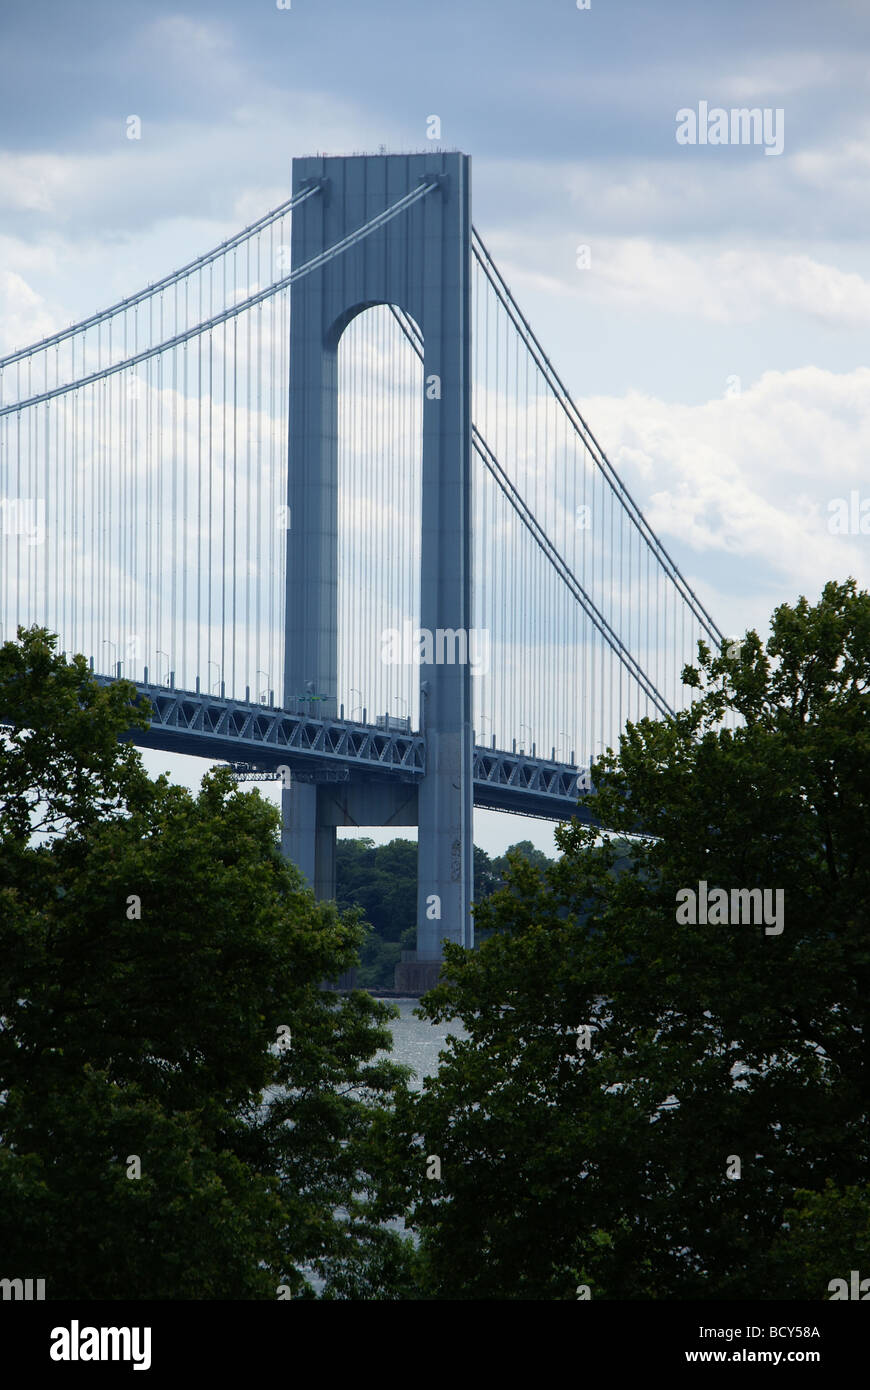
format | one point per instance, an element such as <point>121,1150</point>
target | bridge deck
<point>317,749</point>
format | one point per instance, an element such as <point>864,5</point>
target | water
<point>417,1042</point>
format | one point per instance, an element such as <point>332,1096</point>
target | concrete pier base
<point>416,976</point>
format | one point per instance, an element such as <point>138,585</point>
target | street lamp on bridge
<point>107,642</point>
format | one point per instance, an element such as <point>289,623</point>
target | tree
<point>825,1237</point>
<point>184,1113</point>
<point>526,850</point>
<point>486,878</point>
<point>724,1078</point>
<point>381,881</point>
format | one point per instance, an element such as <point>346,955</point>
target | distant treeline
<point>382,881</point>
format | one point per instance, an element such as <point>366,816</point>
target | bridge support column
<point>445,876</point>
<point>305,840</point>
<point>421,261</point>
<point>324,860</point>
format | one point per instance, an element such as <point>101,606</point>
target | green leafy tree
<point>184,1113</point>
<point>611,1158</point>
<point>825,1236</point>
<point>501,866</point>
<point>381,882</point>
<point>486,878</point>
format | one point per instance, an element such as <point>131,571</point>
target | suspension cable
<point>558,562</point>
<point>176,275</point>
<point>561,393</point>
<point>352,239</point>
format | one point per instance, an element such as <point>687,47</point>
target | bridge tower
<point>420,261</point>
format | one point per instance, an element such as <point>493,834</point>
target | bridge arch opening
<point>380,441</point>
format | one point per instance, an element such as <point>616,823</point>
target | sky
<point>714,329</point>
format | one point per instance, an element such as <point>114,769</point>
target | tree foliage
<point>612,1165</point>
<point>381,881</point>
<point>153,945</point>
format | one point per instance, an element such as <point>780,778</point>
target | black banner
<point>237,1339</point>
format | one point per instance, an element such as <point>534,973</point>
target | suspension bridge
<point>322,496</point>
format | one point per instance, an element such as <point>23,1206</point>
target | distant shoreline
<point>394,994</point>
<point>381,993</point>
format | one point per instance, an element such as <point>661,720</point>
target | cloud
<point>24,316</point>
<point>735,285</point>
<point>749,478</point>
<point>791,72</point>
<point>176,170</point>
<point>846,163</point>
<point>724,285</point>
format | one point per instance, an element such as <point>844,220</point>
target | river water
<point>417,1042</point>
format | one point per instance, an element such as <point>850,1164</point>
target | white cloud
<point>846,163</point>
<point>26,182</point>
<point>783,74</point>
<point>86,229</point>
<point>175,170</point>
<point>750,476</point>
<point>726,285</point>
<point>24,316</point>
